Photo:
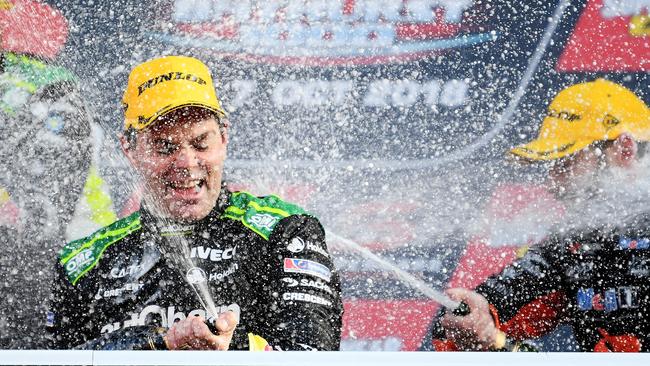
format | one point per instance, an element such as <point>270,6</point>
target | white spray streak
<point>408,279</point>
<point>180,252</point>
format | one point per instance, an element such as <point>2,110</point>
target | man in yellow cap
<point>591,274</point>
<point>198,266</point>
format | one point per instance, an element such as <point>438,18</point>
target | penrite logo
<point>316,32</point>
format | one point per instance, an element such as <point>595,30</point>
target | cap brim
<point>219,112</point>
<point>184,104</point>
<point>544,150</point>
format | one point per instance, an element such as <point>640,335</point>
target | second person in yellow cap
<point>593,273</point>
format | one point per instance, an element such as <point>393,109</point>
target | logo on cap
<point>610,121</point>
<point>174,75</point>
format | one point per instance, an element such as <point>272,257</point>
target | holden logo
<point>296,245</point>
<point>196,275</point>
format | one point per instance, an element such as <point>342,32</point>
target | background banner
<point>388,119</point>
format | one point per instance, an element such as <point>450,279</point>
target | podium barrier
<point>37,357</point>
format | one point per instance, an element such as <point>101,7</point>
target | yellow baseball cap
<point>162,85</point>
<point>583,114</point>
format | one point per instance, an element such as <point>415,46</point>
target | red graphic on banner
<point>609,36</point>
<point>386,325</point>
<point>32,27</point>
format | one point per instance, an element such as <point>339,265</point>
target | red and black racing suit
<point>600,280</point>
<point>121,287</point>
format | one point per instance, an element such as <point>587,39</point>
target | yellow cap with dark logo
<point>165,84</point>
<point>583,114</point>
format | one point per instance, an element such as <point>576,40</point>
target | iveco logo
<point>324,32</point>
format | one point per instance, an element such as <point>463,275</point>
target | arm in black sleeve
<point>130,339</point>
<point>68,316</point>
<point>67,312</point>
<point>536,274</point>
<point>304,288</point>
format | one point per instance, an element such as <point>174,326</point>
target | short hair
<point>131,134</point>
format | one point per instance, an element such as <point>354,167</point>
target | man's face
<point>576,173</point>
<point>180,159</point>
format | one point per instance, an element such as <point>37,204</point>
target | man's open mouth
<point>196,184</point>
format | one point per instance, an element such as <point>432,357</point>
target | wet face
<point>180,160</point>
<point>576,172</point>
<point>581,171</point>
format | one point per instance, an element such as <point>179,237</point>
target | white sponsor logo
<point>628,297</point>
<point>317,249</point>
<point>132,270</point>
<point>116,292</point>
<point>220,276</point>
<point>215,255</point>
<point>166,317</point>
<point>296,245</point>
<point>318,284</point>
<point>310,93</point>
<point>300,296</point>
<point>80,261</point>
<point>581,271</point>
<point>176,229</point>
<point>196,275</point>
<point>264,221</point>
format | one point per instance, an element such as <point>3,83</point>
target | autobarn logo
<point>164,316</point>
<point>324,32</point>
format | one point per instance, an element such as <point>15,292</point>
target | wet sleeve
<point>304,288</point>
<point>535,274</point>
<point>66,315</point>
<point>140,338</point>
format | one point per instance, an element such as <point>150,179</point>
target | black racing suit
<point>604,276</point>
<point>264,258</point>
<point>45,155</point>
